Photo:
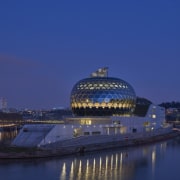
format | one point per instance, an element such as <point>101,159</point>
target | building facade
<point>3,103</point>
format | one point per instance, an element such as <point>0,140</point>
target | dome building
<point>107,114</point>
<point>101,95</point>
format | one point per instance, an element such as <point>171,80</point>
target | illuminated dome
<point>100,95</point>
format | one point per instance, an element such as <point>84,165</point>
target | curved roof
<point>102,96</point>
<point>97,83</point>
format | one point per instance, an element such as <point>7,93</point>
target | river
<point>159,161</point>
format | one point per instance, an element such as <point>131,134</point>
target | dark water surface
<point>160,161</point>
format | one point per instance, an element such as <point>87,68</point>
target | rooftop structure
<point>101,95</point>
<point>102,72</point>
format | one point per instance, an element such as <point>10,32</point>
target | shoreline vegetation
<point>12,152</point>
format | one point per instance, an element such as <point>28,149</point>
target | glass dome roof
<point>102,96</point>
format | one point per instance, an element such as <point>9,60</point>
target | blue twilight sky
<point>47,46</point>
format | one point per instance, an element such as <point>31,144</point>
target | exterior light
<point>154,116</point>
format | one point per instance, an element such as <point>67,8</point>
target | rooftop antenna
<point>101,72</point>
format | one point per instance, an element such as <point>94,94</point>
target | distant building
<point>3,103</point>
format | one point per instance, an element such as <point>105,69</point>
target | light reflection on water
<point>6,136</point>
<point>150,162</point>
<point>121,164</point>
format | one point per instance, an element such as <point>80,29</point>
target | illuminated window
<point>146,123</point>
<point>77,132</point>
<point>86,122</point>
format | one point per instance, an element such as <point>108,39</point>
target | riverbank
<point>9,152</point>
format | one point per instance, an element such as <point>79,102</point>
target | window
<point>96,132</point>
<point>146,123</point>
<point>77,132</point>
<point>86,133</point>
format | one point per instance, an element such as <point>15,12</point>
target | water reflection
<point>7,136</point>
<point>150,162</point>
<point>122,164</point>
